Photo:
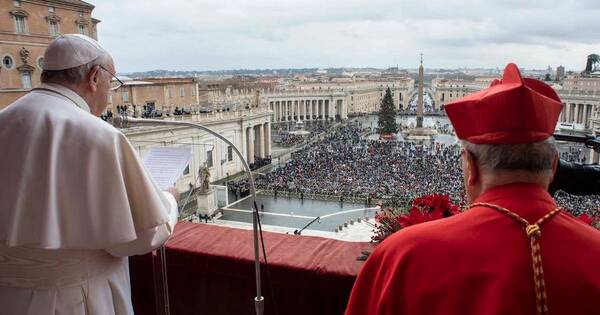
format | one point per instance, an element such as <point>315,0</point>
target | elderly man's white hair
<point>532,157</point>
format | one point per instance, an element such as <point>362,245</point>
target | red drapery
<point>211,271</point>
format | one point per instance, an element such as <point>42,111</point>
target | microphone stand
<point>124,121</point>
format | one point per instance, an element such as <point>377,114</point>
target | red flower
<point>423,209</point>
<point>593,220</point>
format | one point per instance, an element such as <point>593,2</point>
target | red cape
<point>479,262</point>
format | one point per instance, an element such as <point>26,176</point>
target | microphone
<point>121,121</point>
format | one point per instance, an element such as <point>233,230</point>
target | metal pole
<point>124,121</point>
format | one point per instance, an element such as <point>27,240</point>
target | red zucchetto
<point>513,110</point>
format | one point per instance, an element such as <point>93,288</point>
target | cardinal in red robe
<point>514,251</point>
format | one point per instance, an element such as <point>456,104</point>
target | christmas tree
<point>387,115</point>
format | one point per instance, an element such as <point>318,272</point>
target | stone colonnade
<point>577,113</point>
<point>257,141</point>
<point>307,109</point>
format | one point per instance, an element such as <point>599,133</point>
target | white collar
<point>66,92</point>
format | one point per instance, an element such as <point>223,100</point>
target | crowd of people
<point>574,153</point>
<point>343,163</point>
<point>260,162</point>
<point>284,138</point>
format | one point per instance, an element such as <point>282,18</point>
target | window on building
<point>229,153</point>
<point>181,91</point>
<point>20,24</point>
<point>51,9</point>
<point>125,96</point>
<point>209,158</point>
<point>7,62</point>
<point>40,63</point>
<point>54,28</point>
<point>81,29</point>
<point>26,79</point>
<point>80,14</point>
<point>17,3</point>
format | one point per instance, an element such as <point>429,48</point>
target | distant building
<point>26,29</point>
<point>336,100</point>
<point>560,73</point>
<point>157,94</point>
<point>580,96</point>
<point>448,90</point>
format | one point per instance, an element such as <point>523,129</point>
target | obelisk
<point>420,96</point>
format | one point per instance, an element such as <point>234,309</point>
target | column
<point>281,111</point>
<point>321,109</point>
<point>250,138</point>
<point>267,132</point>
<point>261,141</point>
<point>285,111</point>
<point>318,108</point>
<point>333,108</point>
<point>586,115</point>
<point>573,113</point>
<point>297,107</point>
<point>308,108</point>
<point>280,108</point>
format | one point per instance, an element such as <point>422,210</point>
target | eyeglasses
<point>115,83</point>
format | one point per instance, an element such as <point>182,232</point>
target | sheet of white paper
<point>167,164</point>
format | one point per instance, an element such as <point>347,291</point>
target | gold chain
<point>533,233</point>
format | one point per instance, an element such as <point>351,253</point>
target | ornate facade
<point>26,29</point>
<point>329,101</point>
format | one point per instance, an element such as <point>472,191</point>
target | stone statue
<point>593,61</point>
<point>204,174</point>
<point>24,55</point>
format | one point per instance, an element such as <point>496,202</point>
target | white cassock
<point>75,201</point>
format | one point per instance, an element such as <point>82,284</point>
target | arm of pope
<point>152,212</point>
<point>150,239</point>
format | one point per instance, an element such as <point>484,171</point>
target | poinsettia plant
<point>422,209</point>
<point>593,220</point>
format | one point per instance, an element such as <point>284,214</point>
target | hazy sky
<point>257,34</point>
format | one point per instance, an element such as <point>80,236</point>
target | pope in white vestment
<point>75,201</point>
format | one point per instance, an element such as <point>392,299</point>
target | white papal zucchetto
<point>71,50</point>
